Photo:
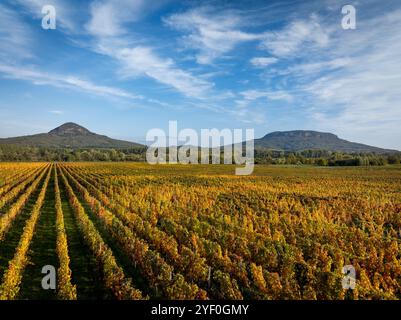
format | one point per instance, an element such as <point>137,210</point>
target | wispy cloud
<point>15,36</point>
<point>296,36</point>
<point>56,112</point>
<point>213,34</point>
<point>63,81</point>
<point>143,60</point>
<point>262,62</point>
<point>109,29</point>
<point>271,95</point>
<point>307,68</point>
<point>108,17</point>
<point>107,26</point>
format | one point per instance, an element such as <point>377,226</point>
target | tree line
<point>262,156</point>
<point>17,153</point>
<point>325,158</point>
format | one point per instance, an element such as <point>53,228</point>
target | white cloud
<point>271,95</point>
<point>142,60</point>
<point>108,17</point>
<point>251,117</point>
<point>317,67</point>
<point>213,35</point>
<point>108,26</point>
<point>295,36</point>
<point>263,61</point>
<point>64,81</point>
<point>56,112</point>
<point>15,36</point>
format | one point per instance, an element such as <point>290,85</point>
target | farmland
<point>136,231</point>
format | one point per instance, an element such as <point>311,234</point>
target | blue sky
<point>123,67</point>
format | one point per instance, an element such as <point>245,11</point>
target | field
<point>135,231</point>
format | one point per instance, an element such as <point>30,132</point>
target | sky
<point>121,68</point>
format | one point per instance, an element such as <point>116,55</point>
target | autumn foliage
<point>200,232</point>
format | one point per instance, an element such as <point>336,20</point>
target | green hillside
<point>69,135</point>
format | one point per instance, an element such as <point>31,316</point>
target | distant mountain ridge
<point>74,136</point>
<point>70,135</point>
<point>299,140</point>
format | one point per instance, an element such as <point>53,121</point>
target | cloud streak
<point>62,81</point>
<point>108,17</point>
<point>296,36</point>
<point>15,44</point>
<point>109,29</point>
<point>212,34</point>
<point>261,62</point>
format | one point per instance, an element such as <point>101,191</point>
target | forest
<point>138,154</point>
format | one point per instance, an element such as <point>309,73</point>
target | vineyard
<point>136,231</point>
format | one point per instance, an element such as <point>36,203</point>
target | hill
<point>70,135</point>
<point>300,140</point>
<point>74,136</point>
